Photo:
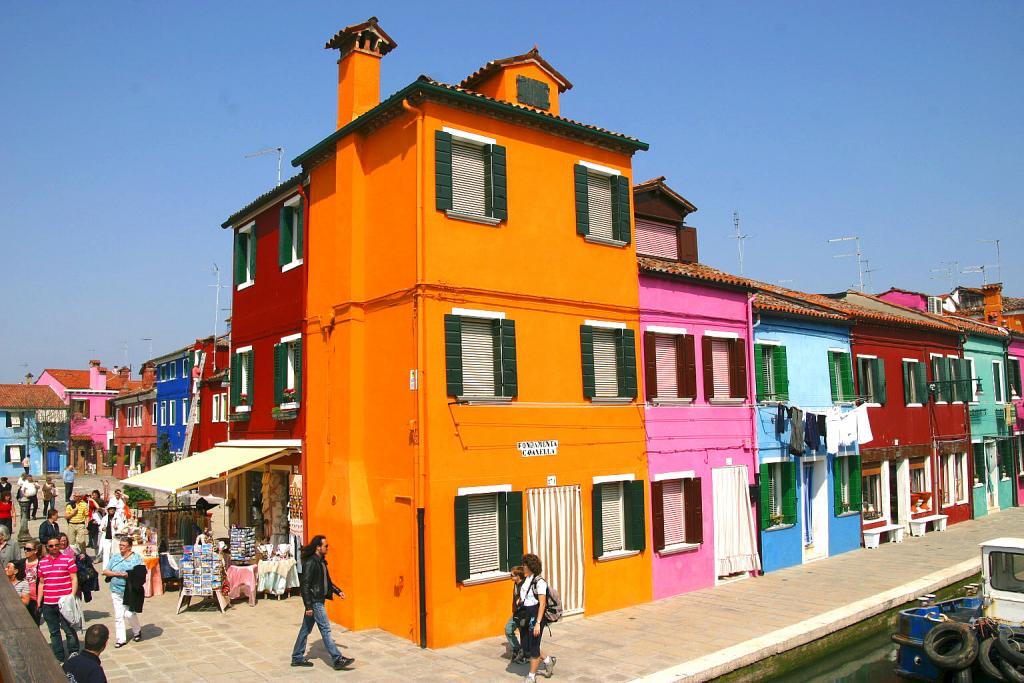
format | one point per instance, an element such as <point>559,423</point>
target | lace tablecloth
<point>277,576</point>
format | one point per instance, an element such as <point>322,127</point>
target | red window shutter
<point>692,511</point>
<point>657,515</point>
<point>650,366</point>
<point>686,366</point>
<point>709,368</point>
<point>738,368</point>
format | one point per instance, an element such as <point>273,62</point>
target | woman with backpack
<point>533,596</point>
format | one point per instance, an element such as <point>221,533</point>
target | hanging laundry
<point>864,434</point>
<point>848,428</point>
<point>796,433</point>
<point>780,420</point>
<point>822,427</point>
<point>812,438</point>
<point>833,419</point>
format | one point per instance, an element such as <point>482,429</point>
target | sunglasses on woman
<point>29,549</point>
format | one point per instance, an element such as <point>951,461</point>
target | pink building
<point>695,322</point>
<point>1015,366</point>
<point>88,393</point>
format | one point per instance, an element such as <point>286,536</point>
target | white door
<point>815,509</point>
<point>554,523</point>
<point>992,470</point>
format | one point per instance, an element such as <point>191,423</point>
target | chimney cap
<point>367,36</point>
<point>94,363</point>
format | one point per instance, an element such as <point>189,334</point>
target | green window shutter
<point>879,369</point>
<point>443,169</point>
<point>595,508</point>
<point>241,253</point>
<point>789,492</point>
<point>837,486</point>
<point>284,241</point>
<point>461,538</point>
<point>760,382</point>
<point>251,389</point>
<point>513,547</point>
<point>279,371</point>
<point>625,342</point>
<point>300,227</point>
<point>297,345</point>
<point>509,368</point>
<point>252,254</point>
<point>908,377</point>
<point>780,366</point>
<point>921,382</point>
<point>766,500</point>
<point>636,534</point>
<point>582,203</point>
<point>113,450</point>
<point>497,183</point>
<point>236,380</point>
<point>587,358</point>
<point>846,375</point>
<point>453,353</point>
<point>832,379</point>
<point>620,208</point>
<point>855,483</point>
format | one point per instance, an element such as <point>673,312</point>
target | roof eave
<point>265,200</point>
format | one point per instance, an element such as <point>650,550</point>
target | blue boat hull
<point>915,623</point>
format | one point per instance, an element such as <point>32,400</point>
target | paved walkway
<point>691,637</point>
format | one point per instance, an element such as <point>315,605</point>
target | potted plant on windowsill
<point>288,396</point>
<point>243,399</point>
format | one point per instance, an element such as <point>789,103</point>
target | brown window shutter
<point>650,366</point>
<point>687,244</point>
<point>693,514</point>
<point>709,368</point>
<point>657,515</point>
<point>686,367</point>
<point>738,368</point>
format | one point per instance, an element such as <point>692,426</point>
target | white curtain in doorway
<point>555,534</point>
<point>735,533</point>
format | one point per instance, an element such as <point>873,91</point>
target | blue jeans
<point>320,618</point>
<point>510,633</point>
<point>55,622</point>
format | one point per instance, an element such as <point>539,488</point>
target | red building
<point>210,386</point>
<point>918,464</point>
<point>133,445</point>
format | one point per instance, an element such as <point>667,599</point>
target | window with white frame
<point>1014,377</point>
<point>613,532</point>
<point>215,408</point>
<point>184,411</point>
<point>998,395</point>
<point>117,418</point>
<point>290,233</point>
<point>935,305</point>
<point>224,407</point>
<point>771,371</point>
<point>725,367</point>
<point>245,256</point>
<point>14,453</point>
<point>163,413</point>
<point>80,407</point>
<point>152,412</point>
<point>846,484</point>
<point>138,415</point>
<point>871,375</point>
<point>871,491</point>
<point>14,420</point>
<point>778,494</point>
<point>288,370</point>
<point>171,412</point>
<point>470,176</point>
<point>920,485</point>
<point>484,536</point>
<point>954,479</point>
<point>241,379</point>
<point>480,355</point>
<point>973,372</point>
<point>915,382</point>
<point>602,204</point>
<point>677,513</point>
<point>670,365</point>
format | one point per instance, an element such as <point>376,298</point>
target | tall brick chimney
<point>148,374</point>
<point>992,307</point>
<point>360,48</point>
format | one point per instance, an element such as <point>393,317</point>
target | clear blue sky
<point>125,125</point>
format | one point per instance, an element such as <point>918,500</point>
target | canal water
<point>870,660</point>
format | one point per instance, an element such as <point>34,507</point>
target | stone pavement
<point>689,637</point>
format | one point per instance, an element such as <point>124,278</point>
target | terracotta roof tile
<point>692,271</point>
<point>777,304</point>
<point>532,56</point>
<point>267,197</point>
<point>1013,303</point>
<point>71,379</point>
<point>29,396</point>
<point>976,326</point>
<point>132,393</point>
<point>873,309</point>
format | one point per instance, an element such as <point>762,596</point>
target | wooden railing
<point>25,656</point>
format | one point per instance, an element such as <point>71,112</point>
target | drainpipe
<point>756,504</point>
<point>421,408</point>
<point>307,209</point>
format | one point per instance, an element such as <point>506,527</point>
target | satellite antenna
<point>279,151</point>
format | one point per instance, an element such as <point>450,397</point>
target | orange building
<point>470,353</point>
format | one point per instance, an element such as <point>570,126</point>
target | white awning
<point>203,468</point>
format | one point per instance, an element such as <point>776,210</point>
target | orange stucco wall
<point>362,336</point>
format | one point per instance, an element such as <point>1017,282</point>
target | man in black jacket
<point>84,667</point>
<point>317,587</point>
<point>49,529</point>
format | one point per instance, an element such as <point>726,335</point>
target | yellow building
<point>470,349</point>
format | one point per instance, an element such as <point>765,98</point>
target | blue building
<point>33,421</point>
<point>173,395</point>
<point>810,503</point>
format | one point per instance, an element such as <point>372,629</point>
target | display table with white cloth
<point>277,576</point>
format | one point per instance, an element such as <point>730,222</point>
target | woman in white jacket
<point>110,526</point>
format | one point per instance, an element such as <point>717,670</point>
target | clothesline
<point>836,427</point>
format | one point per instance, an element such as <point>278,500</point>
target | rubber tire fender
<point>1008,650</point>
<point>990,667</point>
<point>961,657</point>
<point>1010,672</point>
<point>962,676</point>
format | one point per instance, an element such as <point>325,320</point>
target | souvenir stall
<point>144,537</point>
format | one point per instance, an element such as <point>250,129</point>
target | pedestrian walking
<point>30,493</point>
<point>116,570</point>
<point>96,508</point>
<point>32,551</point>
<point>85,667</point>
<point>50,528</point>
<point>533,594</point>
<point>316,588</point>
<point>77,514</point>
<point>58,578</point>
<point>8,549</point>
<point>26,464</point>
<point>48,490</point>
<point>7,511</point>
<point>65,545</point>
<point>69,481</point>
<point>110,527</point>
<point>16,575</point>
<point>514,650</point>
<point>5,486</point>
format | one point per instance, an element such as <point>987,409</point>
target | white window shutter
<point>477,357</point>
<point>672,508</point>
<point>665,354</point>
<point>611,517</point>
<point>599,199</point>
<point>469,178</point>
<point>606,369</point>
<point>720,363</point>
<point>483,534</point>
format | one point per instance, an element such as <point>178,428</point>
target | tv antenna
<point>868,271</point>
<point>999,260</point>
<point>216,309</point>
<point>279,151</point>
<point>947,271</point>
<point>857,253</point>
<point>150,340</point>
<point>739,237</point>
<point>978,269</point>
